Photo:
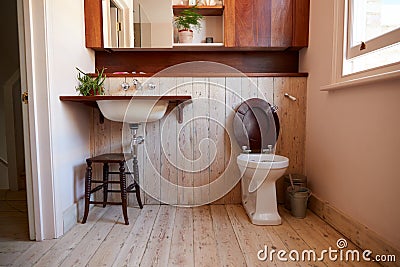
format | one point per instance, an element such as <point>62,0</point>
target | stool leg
<point>137,189</point>
<point>105,185</point>
<point>136,181</point>
<point>123,191</point>
<point>88,185</point>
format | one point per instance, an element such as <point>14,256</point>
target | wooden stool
<point>106,159</point>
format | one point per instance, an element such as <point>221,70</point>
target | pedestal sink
<point>133,110</point>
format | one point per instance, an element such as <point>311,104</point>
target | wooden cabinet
<point>266,23</point>
<point>94,24</point>
<point>247,23</point>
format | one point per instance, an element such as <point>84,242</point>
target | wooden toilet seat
<point>256,125</point>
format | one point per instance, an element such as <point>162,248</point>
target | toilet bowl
<point>256,129</point>
<point>259,174</point>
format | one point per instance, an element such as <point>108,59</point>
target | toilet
<point>256,129</point>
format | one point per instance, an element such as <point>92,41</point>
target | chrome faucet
<point>151,86</point>
<point>245,150</point>
<point>125,86</point>
<point>137,84</point>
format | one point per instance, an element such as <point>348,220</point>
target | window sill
<point>393,75</point>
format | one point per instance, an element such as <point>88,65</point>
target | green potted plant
<point>188,19</point>
<point>89,85</point>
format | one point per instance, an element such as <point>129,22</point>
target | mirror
<point>137,23</point>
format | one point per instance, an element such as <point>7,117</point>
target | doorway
<point>13,198</point>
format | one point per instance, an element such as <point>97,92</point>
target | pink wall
<point>353,137</point>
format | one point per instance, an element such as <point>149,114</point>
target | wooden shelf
<point>209,74</point>
<point>91,100</point>
<point>174,101</point>
<point>202,10</point>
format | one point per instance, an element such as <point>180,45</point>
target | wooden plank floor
<point>213,235</point>
<point>13,216</point>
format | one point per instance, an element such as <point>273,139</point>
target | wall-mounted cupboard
<point>144,23</point>
<point>275,24</point>
<point>266,23</point>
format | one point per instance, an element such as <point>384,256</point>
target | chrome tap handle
<point>137,84</point>
<point>152,86</point>
<point>125,86</point>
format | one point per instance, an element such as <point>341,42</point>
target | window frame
<point>338,79</point>
<point>381,41</point>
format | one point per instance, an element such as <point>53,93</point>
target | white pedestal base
<point>261,205</point>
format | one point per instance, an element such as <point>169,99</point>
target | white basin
<point>133,110</point>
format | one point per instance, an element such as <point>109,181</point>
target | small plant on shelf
<point>188,20</point>
<point>89,85</point>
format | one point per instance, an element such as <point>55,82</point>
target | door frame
<point>34,77</point>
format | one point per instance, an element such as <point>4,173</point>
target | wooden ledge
<point>204,74</point>
<point>174,101</point>
<point>91,99</point>
<point>203,10</point>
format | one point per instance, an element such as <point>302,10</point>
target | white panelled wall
<point>204,138</point>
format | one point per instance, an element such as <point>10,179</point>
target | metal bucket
<point>298,201</point>
<point>298,180</point>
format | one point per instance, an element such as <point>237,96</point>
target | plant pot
<point>185,36</point>
<point>98,92</point>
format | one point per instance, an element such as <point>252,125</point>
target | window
<point>371,36</point>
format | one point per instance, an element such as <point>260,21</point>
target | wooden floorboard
<point>132,251</point>
<point>60,251</point>
<point>205,244</point>
<point>228,248</point>
<point>159,243</point>
<point>81,254</point>
<point>34,253</point>
<point>13,216</point>
<point>181,252</point>
<point>211,235</point>
<point>107,253</point>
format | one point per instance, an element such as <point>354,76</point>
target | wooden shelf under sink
<point>91,100</point>
<point>174,101</point>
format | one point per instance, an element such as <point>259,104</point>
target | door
<point>25,121</point>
